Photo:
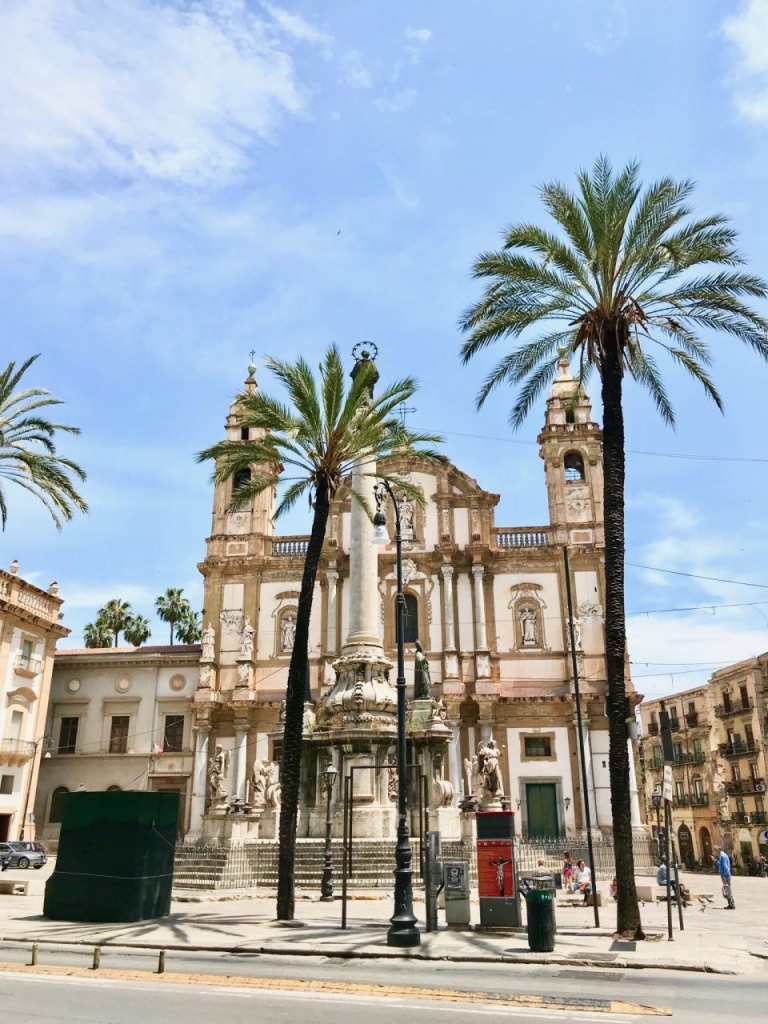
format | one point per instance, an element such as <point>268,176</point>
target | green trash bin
<point>540,912</point>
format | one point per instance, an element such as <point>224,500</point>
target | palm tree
<point>27,449</point>
<point>137,630</point>
<point>97,634</point>
<point>171,607</point>
<point>188,628</point>
<point>116,616</point>
<point>320,437</point>
<point>628,269</point>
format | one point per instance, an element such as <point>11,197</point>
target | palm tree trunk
<point>296,693</point>
<point>628,911</point>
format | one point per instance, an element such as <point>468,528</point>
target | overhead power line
<point>697,576</point>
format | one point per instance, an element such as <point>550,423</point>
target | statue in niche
<point>529,627</point>
<point>406,508</point>
<point>246,639</point>
<point>218,768</point>
<point>287,631</point>
<point>488,765</point>
<point>208,640</point>
<point>421,678</point>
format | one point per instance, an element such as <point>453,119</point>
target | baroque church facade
<point>487,603</point>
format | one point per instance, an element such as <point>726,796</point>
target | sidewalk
<point>714,939</point>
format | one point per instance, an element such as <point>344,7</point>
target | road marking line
<point>560,1003</point>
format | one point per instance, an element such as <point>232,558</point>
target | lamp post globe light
<point>326,883</point>
<point>402,931</point>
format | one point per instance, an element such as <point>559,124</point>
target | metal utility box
<point>115,859</point>
<point>499,899</point>
<point>456,889</point>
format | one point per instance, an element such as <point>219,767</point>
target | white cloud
<point>354,72</point>
<point>398,102</point>
<point>299,29</point>
<point>420,35</point>
<point>748,32</point>
<point>167,91</point>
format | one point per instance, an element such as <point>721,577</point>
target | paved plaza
<point>713,939</point>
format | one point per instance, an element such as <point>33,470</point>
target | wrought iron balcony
<point>681,800</point>
<point>653,728</point>
<point>690,758</point>
<point>674,724</point>
<point>692,719</point>
<point>699,799</point>
<point>27,665</point>
<point>746,786</point>
<point>740,748</point>
<point>736,707</point>
<point>16,752</point>
<point>750,818</point>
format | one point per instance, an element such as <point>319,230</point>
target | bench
<point>10,888</point>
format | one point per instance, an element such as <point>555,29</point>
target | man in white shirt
<point>582,880</point>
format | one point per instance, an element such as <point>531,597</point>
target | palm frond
<point>645,371</point>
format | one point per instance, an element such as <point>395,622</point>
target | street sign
<point>666,789</point>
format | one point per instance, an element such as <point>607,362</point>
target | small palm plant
<point>627,274</point>
<point>28,455</point>
<point>326,431</point>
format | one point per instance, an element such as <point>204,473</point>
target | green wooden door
<point>541,810</point>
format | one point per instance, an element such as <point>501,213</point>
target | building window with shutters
<point>173,733</point>
<point>118,734</point>
<point>68,735</point>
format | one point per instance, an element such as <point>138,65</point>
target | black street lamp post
<point>326,883</point>
<point>658,800</point>
<point>402,931</point>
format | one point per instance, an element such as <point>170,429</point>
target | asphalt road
<point>692,997</point>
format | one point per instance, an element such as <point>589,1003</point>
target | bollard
<point>161,962</point>
<point>33,962</point>
<point>96,958</point>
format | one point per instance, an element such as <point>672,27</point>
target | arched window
<point>411,619</point>
<point>114,789</point>
<point>58,799</point>
<point>574,467</point>
<point>570,415</point>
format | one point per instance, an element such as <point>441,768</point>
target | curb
<point>554,959</point>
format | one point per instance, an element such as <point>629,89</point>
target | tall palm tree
<point>188,628</point>
<point>137,630</point>
<point>116,615</point>
<point>28,451</point>
<point>171,607</point>
<point>625,270</point>
<point>97,634</point>
<point>319,438</point>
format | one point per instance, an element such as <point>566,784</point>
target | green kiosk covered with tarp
<point>115,857</point>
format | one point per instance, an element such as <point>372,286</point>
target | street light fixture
<point>402,931</point>
<point>326,884</point>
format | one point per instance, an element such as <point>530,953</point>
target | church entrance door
<point>541,810</point>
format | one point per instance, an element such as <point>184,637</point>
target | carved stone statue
<point>474,778</point>
<point>259,777</point>
<point>442,790</point>
<point>246,639</point>
<point>218,768</point>
<point>421,678</point>
<point>406,508</point>
<point>272,786</point>
<point>488,765</point>
<point>208,640</point>
<point>288,631</point>
<point>529,627</point>
<point>438,712</point>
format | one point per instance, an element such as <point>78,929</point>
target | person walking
<point>567,870</point>
<point>723,865</point>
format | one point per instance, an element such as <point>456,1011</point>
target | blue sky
<point>183,182</point>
